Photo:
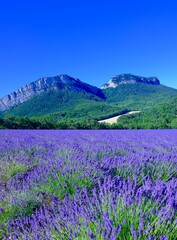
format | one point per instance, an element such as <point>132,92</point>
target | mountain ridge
<point>64,97</point>
<point>46,84</point>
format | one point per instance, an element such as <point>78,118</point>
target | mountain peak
<point>129,79</point>
<point>47,84</point>
<point>55,81</point>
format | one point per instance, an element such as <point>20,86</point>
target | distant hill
<point>139,96</point>
<point>47,84</point>
<point>124,79</point>
<point>137,93</point>
<point>64,97</point>
<point>58,97</point>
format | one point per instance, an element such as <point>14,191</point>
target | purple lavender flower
<point>90,183</point>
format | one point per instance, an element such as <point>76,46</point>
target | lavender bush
<point>88,185</point>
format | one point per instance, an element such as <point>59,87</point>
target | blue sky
<point>92,40</point>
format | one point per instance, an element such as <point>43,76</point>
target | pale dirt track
<point>114,119</point>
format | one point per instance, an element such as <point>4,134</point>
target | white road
<point>114,119</point>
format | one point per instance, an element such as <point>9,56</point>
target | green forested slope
<point>162,116</point>
<point>139,96</point>
<point>65,104</point>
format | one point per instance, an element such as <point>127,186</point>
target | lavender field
<point>88,185</point>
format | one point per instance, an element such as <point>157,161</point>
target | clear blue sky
<point>92,40</point>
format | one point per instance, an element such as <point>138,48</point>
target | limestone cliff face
<point>46,84</point>
<point>129,79</point>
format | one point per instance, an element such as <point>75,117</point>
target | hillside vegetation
<point>162,116</point>
<point>64,104</point>
<point>79,109</point>
<point>139,96</point>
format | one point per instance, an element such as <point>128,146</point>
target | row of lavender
<point>88,185</point>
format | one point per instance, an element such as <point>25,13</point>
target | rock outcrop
<point>129,79</point>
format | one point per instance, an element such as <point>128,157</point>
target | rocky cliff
<point>47,84</point>
<point>129,79</point>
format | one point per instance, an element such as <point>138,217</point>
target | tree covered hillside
<point>162,116</point>
<point>64,104</point>
<point>139,96</point>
